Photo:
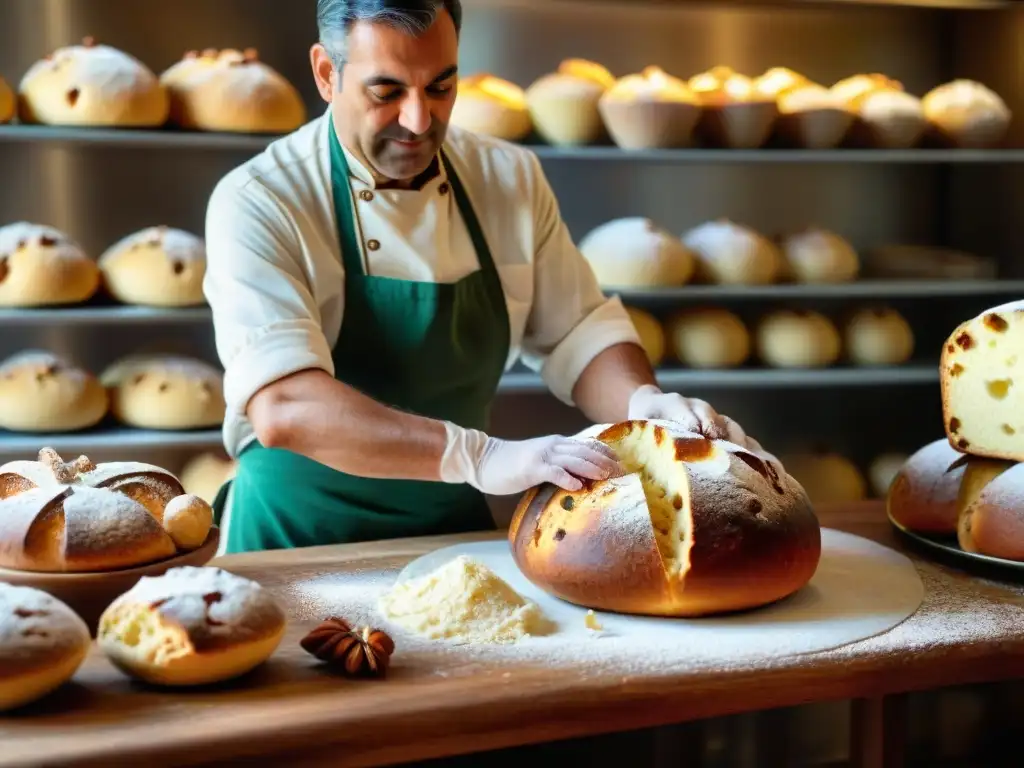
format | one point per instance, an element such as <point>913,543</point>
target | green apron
<point>438,350</point>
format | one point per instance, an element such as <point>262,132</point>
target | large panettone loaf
<point>697,527</point>
<point>983,384</point>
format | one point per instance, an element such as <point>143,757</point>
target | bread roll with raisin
<point>165,392</point>
<point>43,392</point>
<point>156,267</point>
<point>41,266</point>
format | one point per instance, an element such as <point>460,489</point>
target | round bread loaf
<point>204,474</point>
<point>494,107</point>
<point>191,626</point>
<point>967,113</point>
<point>878,336</point>
<point>564,104</point>
<point>165,392</point>
<point>651,332</point>
<point>731,254</point>
<point>92,85</point>
<point>826,476</point>
<point>923,495</point>
<point>8,104</point>
<point>231,91</point>
<point>41,266</point>
<point>650,110</point>
<point>990,506</point>
<point>41,392</point>
<point>797,338</point>
<point>157,267</point>
<point>708,337</point>
<point>736,113</point>
<point>42,644</point>
<point>78,517</point>
<point>634,252</point>
<point>696,527</point>
<point>819,256</point>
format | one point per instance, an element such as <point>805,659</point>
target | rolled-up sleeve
<point>266,321</point>
<point>571,320</point>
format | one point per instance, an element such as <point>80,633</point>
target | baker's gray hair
<point>335,18</point>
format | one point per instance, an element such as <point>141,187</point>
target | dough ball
<point>797,338</point>
<point>204,474</point>
<point>42,266</point>
<point>92,85</point>
<point>8,104</point>
<point>634,252</point>
<point>42,644</point>
<point>652,335</point>
<point>883,471</point>
<point>491,106</point>
<point>42,392</point>
<point>828,477</point>
<point>819,256</point>
<point>709,338</point>
<point>165,392</point>
<point>968,113</point>
<point>158,267</point>
<point>187,519</point>
<point>878,336</point>
<point>231,91</point>
<point>564,104</point>
<point>731,254</point>
<point>650,110</point>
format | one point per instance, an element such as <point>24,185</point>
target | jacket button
<point>373,245</point>
<point>443,189</point>
<point>366,195</point>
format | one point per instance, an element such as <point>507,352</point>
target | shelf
<point>529,383</point>
<point>108,439</point>
<point>103,315</point>
<point>173,139</point>
<point>861,289</point>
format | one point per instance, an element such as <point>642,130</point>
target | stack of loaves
<point>971,484</point>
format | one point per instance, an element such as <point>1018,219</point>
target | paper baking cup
<point>891,133</point>
<point>814,128</point>
<point>738,126</point>
<point>491,118</point>
<point>970,132</point>
<point>650,124</point>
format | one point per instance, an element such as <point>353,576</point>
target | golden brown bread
<point>58,516</point>
<point>923,495</point>
<point>491,106</point>
<point>697,527</point>
<point>564,104</point>
<point>165,392</point>
<point>41,392</point>
<point>991,508</point>
<point>41,266</point>
<point>157,267</point>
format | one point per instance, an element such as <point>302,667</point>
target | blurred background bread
<point>650,109</point>
<point>8,103</point>
<point>157,266</point>
<point>165,392</point>
<point>92,85</point>
<point>736,114</point>
<point>204,474</point>
<point>492,106</point>
<point>732,254</point>
<point>827,476</point>
<point>564,104</point>
<point>878,336</point>
<point>42,392</point>
<point>708,337</point>
<point>967,113</point>
<point>634,252</point>
<point>817,255</point>
<point>651,332</point>
<point>797,338</point>
<point>42,266</point>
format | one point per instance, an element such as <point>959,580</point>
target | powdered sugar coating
<point>966,95</point>
<point>97,520</point>
<point>213,606</point>
<point>168,365</point>
<point>27,235</point>
<point>177,244</point>
<point>114,74</point>
<point>732,253</point>
<point>36,629</point>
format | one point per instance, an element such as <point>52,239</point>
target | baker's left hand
<point>693,415</point>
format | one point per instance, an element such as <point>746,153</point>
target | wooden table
<point>291,712</point>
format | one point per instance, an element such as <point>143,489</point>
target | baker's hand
<point>693,415</point>
<point>503,467</point>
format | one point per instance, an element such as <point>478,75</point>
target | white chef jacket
<point>275,280</point>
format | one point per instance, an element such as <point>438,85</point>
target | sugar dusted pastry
<point>819,256</point>
<point>736,114</point>
<point>157,266</point>
<point>42,266</point>
<point>494,107</point>
<point>564,104</point>
<point>634,252</point>
<point>165,392</point>
<point>43,392</point>
<point>650,110</point>
<point>731,254</point>
<point>967,113</point>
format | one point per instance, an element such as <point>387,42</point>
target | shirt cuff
<point>271,354</point>
<point>605,327</point>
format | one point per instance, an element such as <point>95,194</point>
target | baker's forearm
<point>603,390</point>
<point>321,418</point>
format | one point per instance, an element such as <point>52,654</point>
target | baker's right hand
<point>502,467</point>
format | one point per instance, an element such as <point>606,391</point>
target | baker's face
<point>395,95</point>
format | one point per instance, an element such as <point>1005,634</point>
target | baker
<point>372,275</point>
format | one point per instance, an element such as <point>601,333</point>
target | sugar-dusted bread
<point>42,644</point>
<point>191,626</point>
<point>797,338</point>
<point>990,508</point>
<point>650,110</point>
<point>923,495</point>
<point>92,85</point>
<point>967,113</point>
<point>42,392</point>
<point>41,266</point>
<point>708,337</point>
<point>696,527</point>
<point>157,266</point>
<point>8,104</point>
<point>231,91</point>
<point>77,517</point>
<point>491,106</point>
<point>817,255</point>
<point>634,252</point>
<point>732,254</point>
<point>165,392</point>
<point>564,104</point>
<point>878,336</point>
<point>982,376</point>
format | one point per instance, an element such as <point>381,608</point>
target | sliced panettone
<point>695,527</point>
<point>982,375</point>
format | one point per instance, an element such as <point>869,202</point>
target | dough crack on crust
<point>695,526</point>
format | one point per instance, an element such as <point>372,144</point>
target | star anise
<point>362,652</point>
